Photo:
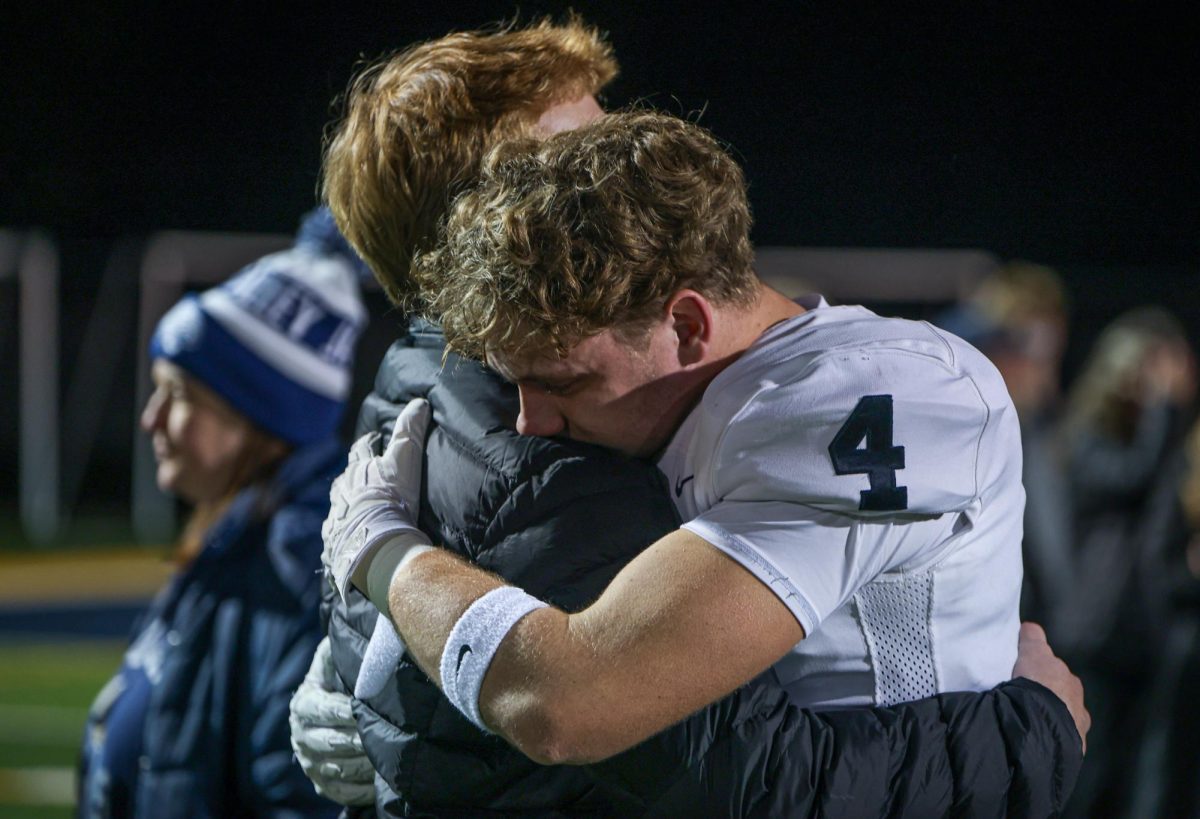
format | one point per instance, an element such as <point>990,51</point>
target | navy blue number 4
<point>871,423</point>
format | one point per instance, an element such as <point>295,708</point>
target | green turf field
<point>45,690</point>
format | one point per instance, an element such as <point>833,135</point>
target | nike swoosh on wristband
<point>462,652</point>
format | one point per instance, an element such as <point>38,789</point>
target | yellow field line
<point>125,574</point>
<point>37,786</point>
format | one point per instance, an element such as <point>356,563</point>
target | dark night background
<point>1064,135</point>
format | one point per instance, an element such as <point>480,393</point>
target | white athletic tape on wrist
<point>385,648</point>
<point>378,529</point>
<point>374,577</point>
<point>473,643</point>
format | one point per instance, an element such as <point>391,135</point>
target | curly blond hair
<point>589,230</point>
<point>418,124</point>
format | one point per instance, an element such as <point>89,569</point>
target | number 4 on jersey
<point>871,424</point>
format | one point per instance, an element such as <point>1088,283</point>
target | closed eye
<point>562,388</point>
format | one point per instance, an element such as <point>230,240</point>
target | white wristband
<point>473,643</point>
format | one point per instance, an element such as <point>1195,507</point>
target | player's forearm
<point>427,597</point>
<point>562,693</point>
<point>555,688</point>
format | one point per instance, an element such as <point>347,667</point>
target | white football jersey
<point>868,471</point>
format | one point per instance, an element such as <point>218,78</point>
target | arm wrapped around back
<point>559,519</point>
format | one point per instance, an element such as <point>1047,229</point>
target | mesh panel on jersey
<point>895,620</point>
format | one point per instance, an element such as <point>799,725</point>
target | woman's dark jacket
<point>559,519</point>
<point>1120,611</point>
<point>239,626</point>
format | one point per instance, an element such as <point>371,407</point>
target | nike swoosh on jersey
<point>679,484</point>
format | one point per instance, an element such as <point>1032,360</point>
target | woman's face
<point>198,438</point>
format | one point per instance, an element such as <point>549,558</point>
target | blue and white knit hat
<point>277,340</point>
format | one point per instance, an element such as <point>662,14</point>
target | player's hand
<point>1036,661</point>
<point>375,500</point>
<point>325,737</point>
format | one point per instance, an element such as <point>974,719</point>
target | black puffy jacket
<point>559,519</point>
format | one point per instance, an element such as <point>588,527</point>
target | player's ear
<point>691,319</point>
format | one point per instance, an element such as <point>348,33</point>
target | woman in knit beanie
<point>250,381</point>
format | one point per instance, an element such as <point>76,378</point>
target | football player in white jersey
<point>849,484</point>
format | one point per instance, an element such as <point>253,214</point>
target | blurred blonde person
<point>1125,419</point>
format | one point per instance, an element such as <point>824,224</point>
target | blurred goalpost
<point>31,258</point>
